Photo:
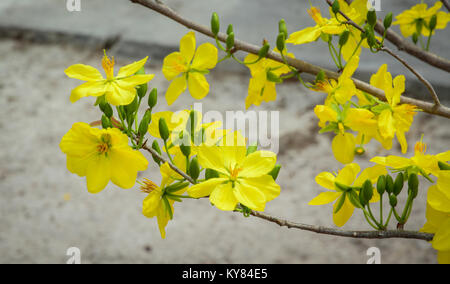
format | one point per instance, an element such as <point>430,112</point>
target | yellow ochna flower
<point>186,68</point>
<point>348,176</point>
<point>119,90</point>
<point>260,89</point>
<point>438,223</point>
<point>101,155</point>
<point>323,25</point>
<point>242,179</point>
<point>158,202</point>
<point>420,14</point>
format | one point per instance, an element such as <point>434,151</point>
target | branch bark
<point>300,65</point>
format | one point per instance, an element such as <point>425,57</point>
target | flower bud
<point>360,151</point>
<point>230,41</point>
<point>215,24</point>
<point>388,21</point>
<point>155,146</point>
<point>393,200</point>
<point>264,50</point>
<point>229,29</point>
<point>389,184</point>
<point>194,168</point>
<point>106,122</point>
<point>143,125</point>
<point>176,187</point>
<point>381,185</point>
<point>106,109</point>
<point>335,7</point>
<point>343,38</point>
<point>163,129</point>
<point>185,149</point>
<point>282,28</point>
<point>372,17</point>
<point>153,98</point>
<point>281,42</point>
<point>141,89</point>
<point>367,191</point>
<point>433,22</point>
<point>415,38</point>
<point>132,107</point>
<point>398,184</point>
<point>413,185</point>
<point>275,171</point>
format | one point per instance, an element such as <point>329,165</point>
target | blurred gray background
<point>44,209</point>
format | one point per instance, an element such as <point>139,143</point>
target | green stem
<point>381,210</point>
<point>332,55</point>
<point>167,151</point>
<point>388,219</point>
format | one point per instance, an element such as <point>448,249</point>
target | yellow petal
<point>173,65</point>
<point>326,180</point>
<point>304,36</point>
<point>386,124</point>
<point>163,217</point>
<point>325,198</point>
<point>205,57</point>
<point>198,86</point>
<point>343,146</point>
<point>341,218</point>
<point>212,157</point>
<point>119,96</point>
<point>93,89</point>
<point>250,196</point>
<point>151,203</point>
<point>348,174</point>
<point>84,73</point>
<point>325,114</point>
<point>98,174</point>
<point>125,164</point>
<point>132,68</point>
<point>134,81</point>
<point>443,257</point>
<point>372,174</point>
<point>175,89</point>
<point>265,184</point>
<point>205,188</point>
<point>443,183</point>
<point>187,46</point>
<point>402,140</point>
<point>79,141</point>
<point>223,198</point>
<point>438,199</point>
<point>258,163</point>
<point>441,240</point>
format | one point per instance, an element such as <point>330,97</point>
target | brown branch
<point>300,65</point>
<point>398,58</point>
<point>311,228</point>
<point>446,4</point>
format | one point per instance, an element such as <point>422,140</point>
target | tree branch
<point>398,58</point>
<point>300,65</point>
<point>446,4</point>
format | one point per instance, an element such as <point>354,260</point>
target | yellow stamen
<point>341,128</point>
<point>148,186</point>
<point>108,66</point>
<point>105,144</point>
<point>420,146</point>
<point>315,14</point>
<point>234,173</point>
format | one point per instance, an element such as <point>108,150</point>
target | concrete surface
<point>44,209</point>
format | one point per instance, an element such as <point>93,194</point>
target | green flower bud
<point>264,50</point>
<point>335,7</point>
<point>372,17</point>
<point>176,187</point>
<point>282,28</point>
<point>389,184</point>
<point>215,24</point>
<point>106,122</point>
<point>194,168</point>
<point>343,38</point>
<point>252,148</point>
<point>371,40</point>
<point>229,29</point>
<point>415,38</point>
<point>145,121</point>
<point>367,191</point>
<point>132,107</point>
<point>419,26</point>
<point>360,151</point>
<point>163,129</point>
<point>230,41</point>
<point>444,166</point>
<point>398,184</point>
<point>106,109</point>
<point>275,171</point>
<point>388,21</point>
<point>155,146</point>
<point>153,98</point>
<point>281,42</point>
<point>393,200</point>
<point>413,185</point>
<point>210,173</point>
<point>185,149</point>
<point>433,22</point>
<point>381,185</point>
<point>141,89</point>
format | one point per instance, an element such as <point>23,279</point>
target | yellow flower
<point>323,25</point>
<point>101,155</point>
<point>178,68</point>
<point>426,164</point>
<point>438,223</point>
<point>420,15</point>
<point>260,88</point>
<point>395,118</point>
<point>159,202</point>
<point>242,179</point>
<point>342,90</point>
<point>119,90</point>
<point>347,177</point>
<point>337,120</point>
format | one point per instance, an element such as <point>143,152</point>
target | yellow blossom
<point>160,200</point>
<point>421,15</point>
<point>242,179</point>
<point>323,25</point>
<point>438,223</point>
<point>101,155</point>
<point>348,177</point>
<point>260,88</point>
<point>186,68</point>
<point>395,119</point>
<point>119,89</point>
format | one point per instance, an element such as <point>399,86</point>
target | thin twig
<point>446,4</point>
<point>300,65</point>
<point>398,58</point>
